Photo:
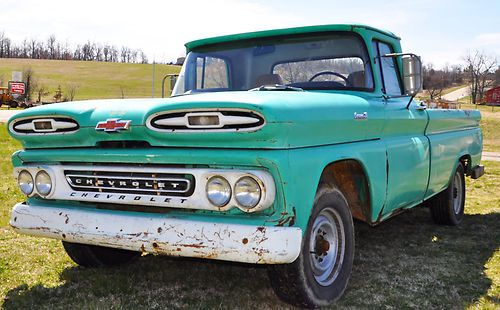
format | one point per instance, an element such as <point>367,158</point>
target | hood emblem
<point>112,125</point>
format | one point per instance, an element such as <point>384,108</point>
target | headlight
<point>25,182</point>
<point>43,183</point>
<point>218,191</point>
<point>247,192</point>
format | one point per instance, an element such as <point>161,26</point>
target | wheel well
<point>349,177</point>
<point>466,161</point>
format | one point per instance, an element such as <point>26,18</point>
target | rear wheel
<point>97,256</point>
<point>447,207</point>
<point>320,274</point>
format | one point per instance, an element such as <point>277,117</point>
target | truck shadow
<point>405,262</point>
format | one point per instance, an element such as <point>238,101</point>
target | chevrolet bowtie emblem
<point>112,125</point>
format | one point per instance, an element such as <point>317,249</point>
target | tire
<point>98,256</point>
<point>447,207</point>
<point>314,280</point>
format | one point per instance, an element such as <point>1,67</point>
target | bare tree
<point>71,92</point>
<point>31,84</point>
<point>52,49</point>
<point>144,58</point>
<point>434,81</point>
<point>58,94</point>
<point>497,77</point>
<point>479,68</point>
<point>51,45</point>
<point>41,91</point>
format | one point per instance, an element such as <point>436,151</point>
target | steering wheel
<point>329,73</point>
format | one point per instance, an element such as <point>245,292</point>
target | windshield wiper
<point>276,87</point>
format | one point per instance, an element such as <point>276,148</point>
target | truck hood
<point>292,119</point>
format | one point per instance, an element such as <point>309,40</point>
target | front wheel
<point>98,256</point>
<point>320,274</point>
<point>447,207</point>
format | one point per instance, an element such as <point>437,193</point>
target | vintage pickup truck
<point>270,145</point>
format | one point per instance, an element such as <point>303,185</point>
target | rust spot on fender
<point>143,249</point>
<point>287,219</point>
<point>64,236</point>
<point>245,240</point>
<point>134,235</point>
<point>155,245</point>
<point>159,230</point>
<point>262,229</point>
<point>197,246</point>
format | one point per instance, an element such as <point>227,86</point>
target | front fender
<point>302,177</point>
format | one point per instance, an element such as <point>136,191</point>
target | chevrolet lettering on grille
<point>112,125</point>
<point>160,186</point>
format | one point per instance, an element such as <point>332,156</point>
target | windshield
<point>333,61</point>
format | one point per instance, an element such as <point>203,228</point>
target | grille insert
<point>44,125</point>
<point>161,184</point>
<point>206,120</point>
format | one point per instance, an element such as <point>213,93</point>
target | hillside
<point>93,79</point>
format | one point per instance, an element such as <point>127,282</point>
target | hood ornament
<point>112,125</point>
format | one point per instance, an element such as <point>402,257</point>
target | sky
<point>441,31</point>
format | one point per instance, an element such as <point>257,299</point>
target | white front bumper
<point>157,233</point>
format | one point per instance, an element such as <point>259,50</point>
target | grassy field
<point>93,79</point>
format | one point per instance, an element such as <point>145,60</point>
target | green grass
<point>406,262</point>
<point>490,125</point>
<point>93,79</point>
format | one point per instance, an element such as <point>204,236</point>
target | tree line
<point>53,49</point>
<point>478,70</point>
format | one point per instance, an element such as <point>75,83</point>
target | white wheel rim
<point>327,246</point>
<point>457,193</point>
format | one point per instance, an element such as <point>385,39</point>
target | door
<point>407,147</point>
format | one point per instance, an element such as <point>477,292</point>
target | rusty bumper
<point>155,233</point>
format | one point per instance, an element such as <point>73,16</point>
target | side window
<point>211,72</point>
<point>388,68</point>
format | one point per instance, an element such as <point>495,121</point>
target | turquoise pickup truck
<point>270,145</point>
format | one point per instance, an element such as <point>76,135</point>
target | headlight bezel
<point>19,184</point>
<point>224,182</point>
<point>253,182</point>
<point>40,174</point>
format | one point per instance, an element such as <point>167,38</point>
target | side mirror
<point>412,74</point>
<point>173,80</point>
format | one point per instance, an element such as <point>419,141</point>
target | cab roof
<point>286,31</point>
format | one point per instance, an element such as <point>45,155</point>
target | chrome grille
<point>162,184</point>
